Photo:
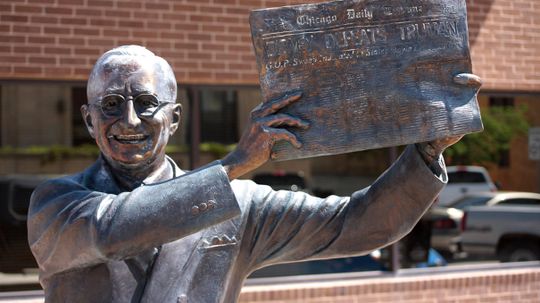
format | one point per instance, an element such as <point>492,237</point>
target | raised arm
<point>285,226</point>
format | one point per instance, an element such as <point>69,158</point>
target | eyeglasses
<point>145,105</point>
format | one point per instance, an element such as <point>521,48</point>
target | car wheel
<point>520,252</point>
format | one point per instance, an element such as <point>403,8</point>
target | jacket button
<point>182,299</point>
<point>211,204</point>
<point>203,206</point>
<point>195,210</point>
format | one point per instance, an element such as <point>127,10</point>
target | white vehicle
<point>496,198</point>
<point>464,180</point>
<point>509,231</point>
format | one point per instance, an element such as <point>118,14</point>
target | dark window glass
<point>219,116</point>
<point>281,181</point>
<point>520,202</point>
<point>469,201</point>
<point>21,199</point>
<point>79,134</point>
<point>501,101</point>
<point>504,158</point>
<point>4,191</point>
<point>1,122</point>
<point>466,177</point>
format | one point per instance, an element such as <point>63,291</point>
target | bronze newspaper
<point>373,73</point>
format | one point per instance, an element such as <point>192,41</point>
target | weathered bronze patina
<point>374,73</point>
<point>134,227</point>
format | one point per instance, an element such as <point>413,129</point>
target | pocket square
<point>219,241</point>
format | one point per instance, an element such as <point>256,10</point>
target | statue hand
<point>266,127</point>
<point>431,150</point>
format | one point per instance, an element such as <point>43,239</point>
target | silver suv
<point>464,180</point>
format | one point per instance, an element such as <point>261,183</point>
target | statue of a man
<point>134,227</point>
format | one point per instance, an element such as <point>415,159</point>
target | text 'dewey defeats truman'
<point>373,73</point>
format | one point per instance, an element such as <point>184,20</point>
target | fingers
<point>468,80</point>
<point>271,107</point>
<point>444,143</point>
<point>278,134</point>
<point>279,120</point>
<point>436,147</point>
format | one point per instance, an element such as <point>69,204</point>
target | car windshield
<point>466,177</point>
<point>469,201</point>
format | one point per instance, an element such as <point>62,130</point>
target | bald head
<point>126,61</point>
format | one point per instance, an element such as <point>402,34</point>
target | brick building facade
<point>47,48</point>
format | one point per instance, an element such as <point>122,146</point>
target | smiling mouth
<point>130,139</point>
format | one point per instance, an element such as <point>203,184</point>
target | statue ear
<point>88,120</point>
<point>176,117</point>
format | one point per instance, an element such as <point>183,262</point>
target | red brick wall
<point>519,285</point>
<point>505,40</point>
<point>208,41</point>
<point>474,286</point>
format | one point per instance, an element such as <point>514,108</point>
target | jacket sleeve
<point>70,226</point>
<point>285,226</point>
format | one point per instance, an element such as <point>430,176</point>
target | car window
<point>469,201</point>
<point>521,201</point>
<point>286,181</point>
<point>466,177</point>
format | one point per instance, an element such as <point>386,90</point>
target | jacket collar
<point>99,176</point>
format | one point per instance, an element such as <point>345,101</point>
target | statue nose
<point>130,114</point>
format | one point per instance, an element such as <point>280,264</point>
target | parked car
<point>282,180</point>
<point>15,192</point>
<point>445,231</point>
<point>464,180</point>
<point>511,232</point>
<point>496,198</point>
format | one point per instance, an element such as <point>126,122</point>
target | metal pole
<point>394,249</point>
<point>195,121</point>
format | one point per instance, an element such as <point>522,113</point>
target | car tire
<point>519,252</point>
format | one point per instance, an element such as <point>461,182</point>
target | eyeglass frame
<point>161,103</point>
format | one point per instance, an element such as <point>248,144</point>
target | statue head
<point>132,109</point>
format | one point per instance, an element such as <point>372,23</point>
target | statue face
<point>129,118</point>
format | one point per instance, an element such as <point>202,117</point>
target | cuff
<point>435,164</point>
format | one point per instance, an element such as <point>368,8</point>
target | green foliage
<point>52,153</point>
<point>501,125</point>
<point>217,149</point>
<point>59,152</point>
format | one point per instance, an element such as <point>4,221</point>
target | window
<point>501,101</point>
<point>1,122</point>
<point>504,102</point>
<point>218,116</point>
<point>522,201</point>
<point>504,158</point>
<point>466,177</point>
<point>79,134</point>
<point>470,201</point>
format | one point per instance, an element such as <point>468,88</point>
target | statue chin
<point>132,162</point>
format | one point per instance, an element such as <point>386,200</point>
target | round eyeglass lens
<point>111,105</point>
<point>145,105</point>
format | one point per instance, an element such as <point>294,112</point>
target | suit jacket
<point>196,237</point>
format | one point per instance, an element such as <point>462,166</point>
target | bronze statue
<point>134,227</point>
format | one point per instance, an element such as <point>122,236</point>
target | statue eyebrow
<point>116,89</point>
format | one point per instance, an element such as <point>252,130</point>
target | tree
<point>501,125</point>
